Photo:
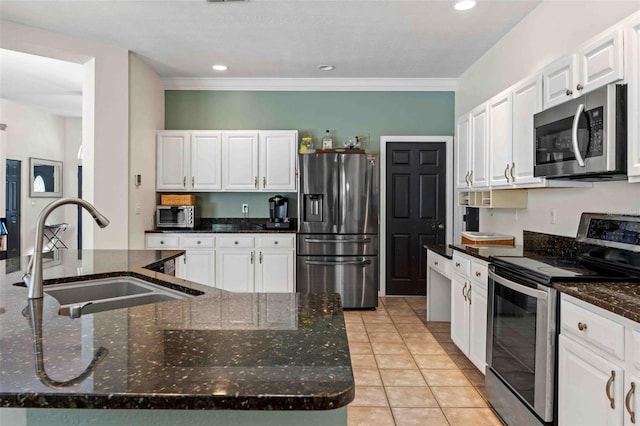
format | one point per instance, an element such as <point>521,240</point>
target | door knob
<point>440,226</point>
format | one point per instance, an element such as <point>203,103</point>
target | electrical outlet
<point>552,216</point>
<point>245,208</point>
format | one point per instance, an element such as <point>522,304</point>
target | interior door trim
<point>384,140</point>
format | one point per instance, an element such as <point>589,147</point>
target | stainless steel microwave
<point>176,217</point>
<point>585,138</point>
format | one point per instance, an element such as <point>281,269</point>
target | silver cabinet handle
<point>568,92</point>
<point>627,402</point>
<point>184,181</point>
<point>255,181</point>
<point>513,177</point>
<point>252,258</point>
<point>471,178</point>
<point>478,274</point>
<point>261,258</point>
<point>506,169</point>
<point>463,291</point>
<point>350,262</point>
<point>582,326</point>
<point>184,259</point>
<point>579,87</point>
<point>466,178</point>
<point>469,294</point>
<point>574,135</point>
<point>264,181</point>
<point>193,181</point>
<point>355,240</point>
<point>435,262</point>
<point>608,389</point>
<point>457,264</point>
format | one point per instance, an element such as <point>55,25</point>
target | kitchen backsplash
<point>229,204</point>
<point>537,243</point>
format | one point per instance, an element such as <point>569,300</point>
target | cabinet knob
<point>457,264</point>
<point>161,242</point>
<point>582,326</point>
<point>275,242</point>
<point>569,92</point>
<point>579,87</point>
<point>235,242</point>
<point>198,242</point>
<point>435,262</point>
<point>478,274</point>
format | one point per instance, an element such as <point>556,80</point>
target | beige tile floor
<point>408,372</point>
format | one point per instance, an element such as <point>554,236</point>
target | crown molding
<point>314,84</point>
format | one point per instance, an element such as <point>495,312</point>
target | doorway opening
<point>13,207</point>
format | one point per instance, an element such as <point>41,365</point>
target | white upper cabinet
<point>633,94</point>
<point>463,154</point>
<point>527,101</point>
<point>172,160</point>
<point>240,160</point>
<point>500,139</point>
<point>206,173</point>
<point>598,62</point>
<point>187,161</point>
<point>278,155</point>
<point>480,149</point>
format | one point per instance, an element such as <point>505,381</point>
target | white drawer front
<point>439,263</point>
<point>461,265</point>
<point>234,241</point>
<point>479,272</point>
<point>591,328</point>
<point>163,241</point>
<point>198,241</point>
<point>275,241</point>
<point>635,348</point>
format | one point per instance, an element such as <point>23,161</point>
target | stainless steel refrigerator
<point>337,247</point>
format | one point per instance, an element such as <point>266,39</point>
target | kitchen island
<point>211,358</point>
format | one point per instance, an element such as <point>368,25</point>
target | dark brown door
<point>415,210</point>
<point>13,208</point>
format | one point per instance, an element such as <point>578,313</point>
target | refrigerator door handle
<point>357,240</point>
<point>349,262</point>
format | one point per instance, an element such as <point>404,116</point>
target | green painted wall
<point>368,114</point>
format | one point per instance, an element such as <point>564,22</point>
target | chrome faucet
<point>33,277</point>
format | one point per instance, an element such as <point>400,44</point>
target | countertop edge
<point>587,292</point>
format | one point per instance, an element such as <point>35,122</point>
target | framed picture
<point>45,178</point>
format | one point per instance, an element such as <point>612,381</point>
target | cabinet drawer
<point>163,241</point>
<point>461,265</point>
<point>479,272</point>
<point>589,327</point>
<point>234,241</point>
<point>275,241</point>
<point>198,241</point>
<point>439,263</point>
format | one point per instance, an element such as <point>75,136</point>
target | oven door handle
<point>574,135</point>
<point>538,294</point>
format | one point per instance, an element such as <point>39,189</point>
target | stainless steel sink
<point>97,295</point>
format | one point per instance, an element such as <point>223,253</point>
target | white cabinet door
<point>240,161</point>
<point>500,137</point>
<point>632,42</point>
<point>199,267</point>
<point>234,270</point>
<point>558,81</point>
<point>584,379</point>
<point>274,271</point>
<point>601,61</point>
<point>172,160</point>
<point>527,101</point>
<point>460,313</point>
<point>278,160</point>
<point>480,148</point>
<point>478,326</point>
<point>206,161</point>
<point>463,133</point>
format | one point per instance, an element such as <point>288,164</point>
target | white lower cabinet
<point>469,308</point>
<point>233,262</point>
<point>598,366</point>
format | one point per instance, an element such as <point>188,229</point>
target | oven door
<point>521,345</point>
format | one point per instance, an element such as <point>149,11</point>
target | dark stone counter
<point>442,250</point>
<point>219,350</point>
<point>230,225</point>
<point>622,298</point>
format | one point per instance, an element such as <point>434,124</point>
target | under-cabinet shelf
<point>494,199</point>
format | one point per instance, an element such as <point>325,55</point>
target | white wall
<point>73,140</point>
<point>105,122</point>
<point>551,30</point>
<point>146,103</point>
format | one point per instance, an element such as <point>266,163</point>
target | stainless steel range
<point>523,313</point>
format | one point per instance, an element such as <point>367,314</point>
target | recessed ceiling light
<point>326,67</point>
<point>465,5</point>
<point>220,67</point>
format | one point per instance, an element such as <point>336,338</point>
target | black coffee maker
<point>279,213</point>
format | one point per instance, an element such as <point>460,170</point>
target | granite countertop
<point>622,298</point>
<point>229,225</point>
<point>218,350</point>
<point>442,250</point>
